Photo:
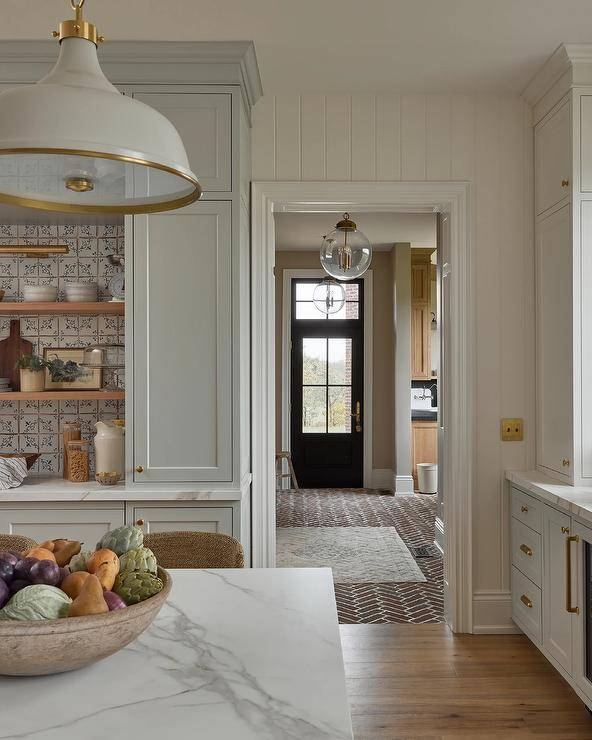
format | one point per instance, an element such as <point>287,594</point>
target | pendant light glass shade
<point>73,143</point>
<point>346,252</point>
<point>329,296</point>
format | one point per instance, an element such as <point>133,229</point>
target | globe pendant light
<point>346,252</point>
<point>73,143</point>
<point>329,296</point>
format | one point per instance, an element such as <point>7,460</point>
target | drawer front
<point>181,518</point>
<point>526,605</point>
<point>527,551</point>
<point>84,524</point>
<point>527,509</point>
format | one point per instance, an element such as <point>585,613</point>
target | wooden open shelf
<point>63,396</point>
<point>103,308</point>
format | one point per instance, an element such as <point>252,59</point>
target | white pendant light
<point>346,252</point>
<point>73,143</point>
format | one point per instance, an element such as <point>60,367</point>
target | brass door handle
<point>357,415</point>
<point>139,469</point>
<point>565,183</point>
<point>571,609</point>
<point>526,601</point>
<point>526,550</point>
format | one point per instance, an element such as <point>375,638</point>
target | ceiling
<point>346,45</point>
<point>303,231</point>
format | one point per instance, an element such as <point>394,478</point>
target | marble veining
<point>234,654</point>
<point>576,500</point>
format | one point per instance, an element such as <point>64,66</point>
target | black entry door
<point>327,414</point>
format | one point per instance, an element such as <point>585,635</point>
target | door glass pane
<point>314,410</point>
<point>304,291</point>
<point>314,361</point>
<point>339,410</point>
<point>340,359</point>
<point>308,310</point>
<point>352,292</point>
<point>349,310</point>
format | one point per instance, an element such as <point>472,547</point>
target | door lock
<point>357,415</point>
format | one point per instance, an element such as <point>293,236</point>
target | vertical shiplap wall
<point>482,138</point>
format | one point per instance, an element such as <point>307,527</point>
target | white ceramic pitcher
<point>109,448</point>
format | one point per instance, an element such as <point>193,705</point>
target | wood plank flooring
<point>421,681</point>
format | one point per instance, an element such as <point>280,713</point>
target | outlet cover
<point>512,430</point>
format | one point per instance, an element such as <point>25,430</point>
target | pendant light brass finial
<point>80,184</point>
<point>78,28</point>
<point>346,224</point>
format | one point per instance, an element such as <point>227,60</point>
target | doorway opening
<point>455,393</point>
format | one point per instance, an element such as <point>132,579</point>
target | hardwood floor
<point>421,681</point>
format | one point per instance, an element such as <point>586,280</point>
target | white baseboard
<point>492,613</point>
<point>439,534</point>
<point>382,478</point>
<point>403,484</point>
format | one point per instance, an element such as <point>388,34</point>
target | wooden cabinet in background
<point>421,314</point>
<point>420,279</point>
<point>424,444</point>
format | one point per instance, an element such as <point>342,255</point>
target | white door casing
<point>451,197</point>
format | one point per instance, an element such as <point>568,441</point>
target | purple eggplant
<point>114,601</point>
<point>6,571</point>
<point>45,572</point>
<point>23,568</point>
<point>4,594</point>
<point>9,557</point>
<point>17,584</point>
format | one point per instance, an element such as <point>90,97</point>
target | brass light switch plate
<point>512,430</point>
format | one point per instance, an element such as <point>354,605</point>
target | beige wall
<point>487,140</point>
<point>383,354</point>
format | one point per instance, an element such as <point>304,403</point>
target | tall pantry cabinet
<point>561,96</point>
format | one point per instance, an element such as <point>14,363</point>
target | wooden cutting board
<point>10,350</point>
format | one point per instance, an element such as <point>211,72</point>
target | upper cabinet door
<point>553,159</point>
<point>204,121</point>
<point>182,345</point>
<point>420,282</point>
<point>554,343</point>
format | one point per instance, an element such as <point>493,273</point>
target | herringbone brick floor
<point>412,515</point>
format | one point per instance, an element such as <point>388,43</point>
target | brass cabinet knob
<point>526,601</point>
<point>564,530</point>
<point>565,183</point>
<point>565,462</point>
<point>524,509</point>
<point>140,522</point>
<point>140,469</point>
<point>526,550</point>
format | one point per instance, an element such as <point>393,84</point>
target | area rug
<point>355,554</point>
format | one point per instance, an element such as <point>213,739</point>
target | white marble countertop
<point>576,500</point>
<point>53,488</point>
<point>233,655</point>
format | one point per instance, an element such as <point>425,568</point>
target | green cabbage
<point>37,602</point>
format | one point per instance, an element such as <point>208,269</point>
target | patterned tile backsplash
<point>34,426</point>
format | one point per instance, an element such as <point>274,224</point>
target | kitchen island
<point>251,654</point>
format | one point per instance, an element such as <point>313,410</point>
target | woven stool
<point>195,550</point>
<point>16,542</point>
<point>280,475</point>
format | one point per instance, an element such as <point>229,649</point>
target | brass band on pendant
<point>48,205</point>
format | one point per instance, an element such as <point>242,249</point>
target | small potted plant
<point>32,373</point>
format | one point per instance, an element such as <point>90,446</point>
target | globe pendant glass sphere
<point>346,252</point>
<point>329,296</point>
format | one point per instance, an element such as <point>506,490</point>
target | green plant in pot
<point>63,372</point>
<point>31,369</point>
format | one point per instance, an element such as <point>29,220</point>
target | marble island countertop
<point>54,488</point>
<point>233,655</point>
<point>576,500</point>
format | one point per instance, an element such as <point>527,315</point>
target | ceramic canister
<point>109,448</point>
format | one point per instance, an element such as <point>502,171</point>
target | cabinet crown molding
<point>575,60</point>
<point>146,62</point>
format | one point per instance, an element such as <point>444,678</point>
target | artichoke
<point>140,558</point>
<point>80,561</point>
<point>136,585</point>
<point>122,539</point>
<point>37,602</point>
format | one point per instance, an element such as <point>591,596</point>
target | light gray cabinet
<point>52,521</point>
<point>553,159</point>
<point>215,518</point>
<point>182,345</point>
<point>204,122</point>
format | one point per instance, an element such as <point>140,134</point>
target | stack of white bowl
<point>4,385</point>
<point>44,293</point>
<point>82,292</point>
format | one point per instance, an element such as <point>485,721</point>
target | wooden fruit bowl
<point>38,648</point>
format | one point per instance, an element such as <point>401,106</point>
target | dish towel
<point>13,471</point>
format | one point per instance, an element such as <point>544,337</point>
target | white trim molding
<point>403,484</point>
<point>420,197</point>
<point>492,613</point>
<point>287,276</point>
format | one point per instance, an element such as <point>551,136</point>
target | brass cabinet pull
<point>526,550</point>
<point>140,522</point>
<point>565,462</point>
<point>140,469</point>
<point>526,601</point>
<point>564,530</point>
<point>565,183</point>
<point>571,609</point>
<point>524,509</point>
